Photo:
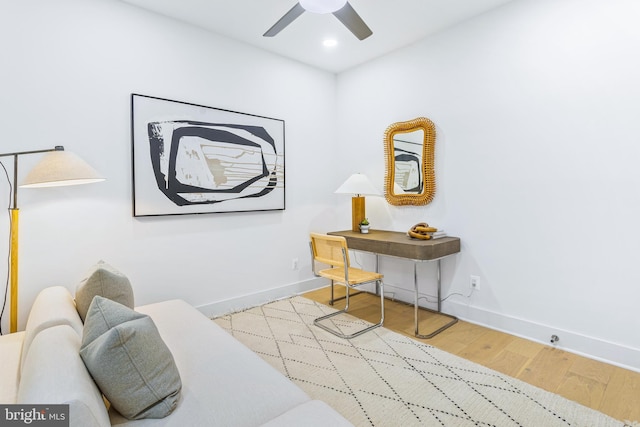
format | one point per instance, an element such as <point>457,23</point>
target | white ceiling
<point>394,23</point>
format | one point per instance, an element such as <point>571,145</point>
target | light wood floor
<point>606,388</point>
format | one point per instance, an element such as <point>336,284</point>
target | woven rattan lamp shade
<point>58,168</point>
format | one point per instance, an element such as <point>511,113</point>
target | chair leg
<point>357,333</point>
<point>380,285</point>
<point>334,299</point>
<point>346,298</point>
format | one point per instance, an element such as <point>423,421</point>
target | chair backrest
<point>330,249</point>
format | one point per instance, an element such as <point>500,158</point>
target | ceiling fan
<point>341,9</point>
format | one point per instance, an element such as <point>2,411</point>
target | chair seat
<point>356,276</point>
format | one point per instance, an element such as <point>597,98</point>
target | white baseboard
<point>243,302</point>
<point>593,348</point>
<point>572,342</point>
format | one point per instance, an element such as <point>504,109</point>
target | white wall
<point>536,107</point>
<point>68,69</point>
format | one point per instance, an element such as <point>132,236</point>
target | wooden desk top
<point>396,243</point>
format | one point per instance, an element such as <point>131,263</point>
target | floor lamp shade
<point>57,168</point>
<point>359,185</point>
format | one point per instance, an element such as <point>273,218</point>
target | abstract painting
<point>191,159</point>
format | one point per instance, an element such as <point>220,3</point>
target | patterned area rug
<point>382,378</point>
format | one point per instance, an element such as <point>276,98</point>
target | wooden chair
<point>333,251</point>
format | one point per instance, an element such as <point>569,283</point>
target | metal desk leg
<point>454,319</point>
<point>377,271</point>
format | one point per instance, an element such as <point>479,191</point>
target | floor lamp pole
<point>13,252</point>
<point>13,271</point>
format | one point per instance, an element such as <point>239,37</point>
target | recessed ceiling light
<point>330,42</point>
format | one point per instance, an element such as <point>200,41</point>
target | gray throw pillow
<point>106,281</point>
<point>129,361</point>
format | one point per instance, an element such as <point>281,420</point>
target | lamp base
<point>357,212</point>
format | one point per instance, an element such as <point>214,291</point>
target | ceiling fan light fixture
<point>330,42</point>
<point>322,6</point>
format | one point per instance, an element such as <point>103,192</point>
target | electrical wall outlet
<point>474,282</point>
<point>294,264</point>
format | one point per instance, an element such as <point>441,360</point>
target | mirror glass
<point>409,152</point>
<point>407,148</point>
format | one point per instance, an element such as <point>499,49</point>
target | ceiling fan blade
<point>350,18</point>
<point>287,19</point>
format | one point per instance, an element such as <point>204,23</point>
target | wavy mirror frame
<point>428,170</point>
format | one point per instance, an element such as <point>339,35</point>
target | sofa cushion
<point>53,373</point>
<point>129,361</point>
<point>106,281</point>
<point>314,414</point>
<point>52,307</point>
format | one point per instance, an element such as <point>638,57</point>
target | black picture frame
<point>193,159</point>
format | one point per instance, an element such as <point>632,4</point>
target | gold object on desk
<point>397,244</point>
<point>421,230</point>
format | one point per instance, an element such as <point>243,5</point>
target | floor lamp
<point>359,185</point>
<point>57,168</point>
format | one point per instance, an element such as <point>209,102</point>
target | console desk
<point>398,244</point>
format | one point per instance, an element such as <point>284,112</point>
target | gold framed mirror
<point>409,155</point>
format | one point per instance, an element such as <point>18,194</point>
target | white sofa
<point>223,382</point>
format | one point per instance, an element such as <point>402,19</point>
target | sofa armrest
<point>52,307</point>
<point>53,373</point>
<point>10,351</point>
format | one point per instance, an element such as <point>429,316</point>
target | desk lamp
<point>57,168</point>
<point>358,185</point>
